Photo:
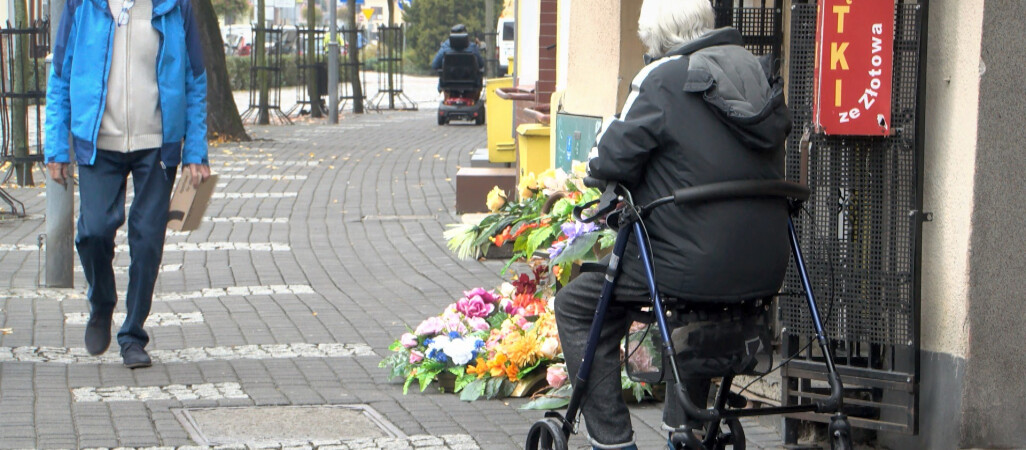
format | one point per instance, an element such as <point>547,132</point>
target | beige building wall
<point>527,21</point>
<point>952,99</point>
<point>605,55</point>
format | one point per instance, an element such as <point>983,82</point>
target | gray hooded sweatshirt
<point>131,118</point>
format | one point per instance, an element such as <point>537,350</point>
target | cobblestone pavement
<point>325,244</point>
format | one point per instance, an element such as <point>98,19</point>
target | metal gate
<point>861,235</point>
<point>759,21</point>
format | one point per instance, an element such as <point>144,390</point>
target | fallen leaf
<point>6,330</point>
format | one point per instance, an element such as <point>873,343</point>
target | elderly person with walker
<point>703,128</point>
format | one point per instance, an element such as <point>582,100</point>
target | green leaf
<point>576,250</point>
<point>463,380</point>
<point>539,237</point>
<point>492,387</point>
<point>564,273</point>
<point>406,385</point>
<point>506,388</point>
<point>547,403</point>
<point>473,390</point>
<point>527,370</point>
<point>496,319</point>
<point>562,208</point>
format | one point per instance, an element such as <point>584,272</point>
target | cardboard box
<point>188,204</point>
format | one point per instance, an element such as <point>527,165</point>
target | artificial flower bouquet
<point>542,220</point>
<point>488,340</point>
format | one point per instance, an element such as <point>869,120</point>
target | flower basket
<point>492,251</point>
<point>446,382</point>
<point>530,385</point>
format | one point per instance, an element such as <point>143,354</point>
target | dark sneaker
<point>97,334</point>
<point>135,356</point>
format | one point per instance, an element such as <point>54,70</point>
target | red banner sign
<point>854,58</point>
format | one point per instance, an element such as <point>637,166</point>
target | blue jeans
<point>102,211</point>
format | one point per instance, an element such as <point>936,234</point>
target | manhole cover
<point>241,425</point>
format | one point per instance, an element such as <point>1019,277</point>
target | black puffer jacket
<point>706,112</point>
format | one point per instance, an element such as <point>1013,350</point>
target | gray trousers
<point>605,412</point>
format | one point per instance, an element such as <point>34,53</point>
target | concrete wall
<point>953,87</point>
<point>994,402</point>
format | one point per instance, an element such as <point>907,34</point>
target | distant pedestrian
<point>128,89</point>
<point>446,47</point>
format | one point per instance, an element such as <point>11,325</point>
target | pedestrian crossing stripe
<point>205,391</point>
<point>153,320</point>
<point>78,355</point>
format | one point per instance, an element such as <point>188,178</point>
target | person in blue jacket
<point>127,93</point>
<point>445,48</point>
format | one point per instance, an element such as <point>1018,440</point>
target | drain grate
<point>284,424</point>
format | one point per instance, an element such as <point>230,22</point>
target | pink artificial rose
<point>487,296</point>
<point>508,306</point>
<point>408,340</point>
<point>453,321</point>
<point>429,327</point>
<point>416,357</point>
<point>478,324</point>
<point>474,307</point>
<point>556,375</point>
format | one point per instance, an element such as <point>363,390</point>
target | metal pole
<point>333,62</point>
<point>60,205</point>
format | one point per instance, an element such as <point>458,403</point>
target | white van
<point>505,43</point>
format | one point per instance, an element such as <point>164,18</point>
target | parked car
<point>505,43</point>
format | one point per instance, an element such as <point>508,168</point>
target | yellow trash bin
<point>534,148</point>
<point>499,111</point>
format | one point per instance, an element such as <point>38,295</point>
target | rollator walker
<point>716,426</point>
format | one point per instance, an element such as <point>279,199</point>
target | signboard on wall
<point>854,60</point>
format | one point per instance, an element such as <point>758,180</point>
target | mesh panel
<point>760,27</point>
<point>858,234</point>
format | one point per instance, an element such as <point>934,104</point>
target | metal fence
<point>265,110</point>
<point>391,42</point>
<point>23,51</point>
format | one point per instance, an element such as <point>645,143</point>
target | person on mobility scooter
<point>460,69</point>
<point>693,168</point>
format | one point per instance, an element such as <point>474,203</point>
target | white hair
<point>667,24</point>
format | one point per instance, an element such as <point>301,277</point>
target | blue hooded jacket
<point>77,90</point>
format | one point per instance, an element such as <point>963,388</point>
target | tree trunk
<point>354,58</point>
<point>223,119</point>
<point>311,71</point>
<point>19,106</point>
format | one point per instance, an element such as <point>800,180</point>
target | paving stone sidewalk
<point>287,299</point>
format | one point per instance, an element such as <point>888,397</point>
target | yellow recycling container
<point>499,111</point>
<point>534,148</point>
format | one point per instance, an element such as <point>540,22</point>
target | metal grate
<point>859,236</point>
<point>760,26</point>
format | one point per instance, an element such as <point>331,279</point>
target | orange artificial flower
<point>501,238</point>
<point>481,368</point>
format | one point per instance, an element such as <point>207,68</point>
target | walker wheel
<point>546,434</point>
<point>733,438</point>
<point>840,432</point>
